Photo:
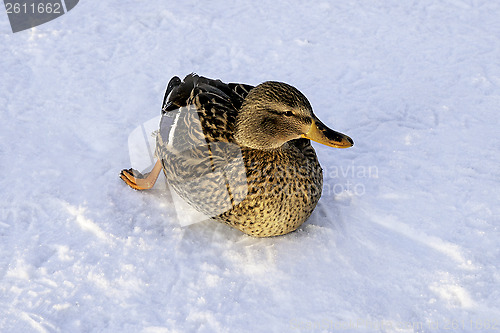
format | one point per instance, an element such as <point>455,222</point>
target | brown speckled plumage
<point>238,154</point>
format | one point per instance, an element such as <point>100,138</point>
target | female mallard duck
<point>241,154</point>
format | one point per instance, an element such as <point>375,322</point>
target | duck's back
<point>212,103</point>
<point>260,192</point>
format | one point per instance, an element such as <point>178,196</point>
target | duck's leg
<point>138,181</point>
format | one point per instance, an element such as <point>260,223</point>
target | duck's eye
<point>289,113</point>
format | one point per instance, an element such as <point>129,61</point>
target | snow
<point>405,238</point>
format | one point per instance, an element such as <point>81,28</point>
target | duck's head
<point>275,112</point>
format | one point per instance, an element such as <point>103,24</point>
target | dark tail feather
<point>174,82</point>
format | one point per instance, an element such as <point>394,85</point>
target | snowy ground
<point>406,236</point>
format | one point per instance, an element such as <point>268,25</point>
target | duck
<point>240,154</point>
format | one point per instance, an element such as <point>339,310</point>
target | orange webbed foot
<point>138,181</point>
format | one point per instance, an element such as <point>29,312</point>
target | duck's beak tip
<point>324,135</point>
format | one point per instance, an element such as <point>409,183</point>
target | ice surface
<point>405,238</point>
